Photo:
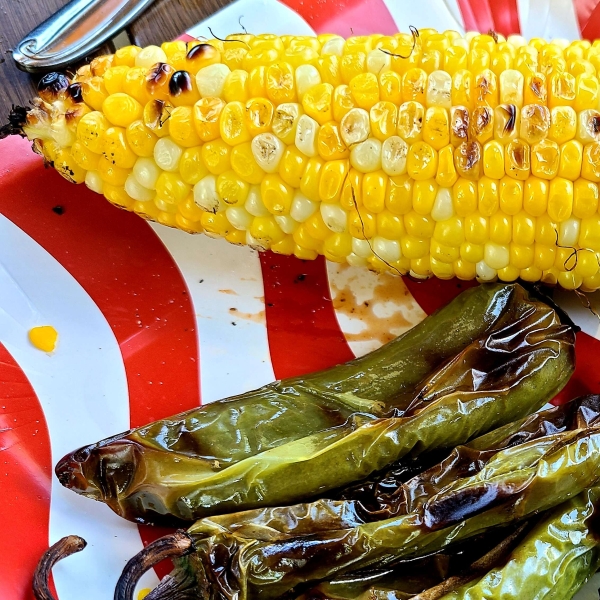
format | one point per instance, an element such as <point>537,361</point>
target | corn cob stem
<point>425,153</point>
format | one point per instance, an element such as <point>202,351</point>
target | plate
<point>153,321</point>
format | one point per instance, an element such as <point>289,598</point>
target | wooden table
<point>164,20</point>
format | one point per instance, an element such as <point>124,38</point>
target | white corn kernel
<point>267,150</point>
<point>562,43</point>
<point>355,126</point>
<point>167,154</point>
<point>460,42</point>
<point>439,89</point>
<point>285,121</point>
<point>61,133</point>
<point>206,195</point>
<point>254,204</point>
<point>386,250</point>
<point>470,35</point>
<point>334,216</point>
<point>286,223</point>
<point>511,87</point>
<point>568,233</point>
<point>393,155</point>
<point>260,245</point>
<point>443,207</point>
<point>307,76</point>
<point>378,61</point>
<point>356,261</point>
<point>366,156</point>
<point>210,80</point>
<point>94,181</point>
<point>516,41</point>
<point>138,191</point>
<point>306,135</point>
<point>239,217</point>
<point>361,248</point>
<point>302,208</point>
<point>334,46</point>
<point>485,272</point>
<point>146,172</point>
<point>150,55</point>
<point>588,126</point>
<point>496,256</point>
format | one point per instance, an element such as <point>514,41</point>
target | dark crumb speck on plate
<point>59,210</point>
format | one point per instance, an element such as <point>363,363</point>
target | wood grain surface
<point>164,20</point>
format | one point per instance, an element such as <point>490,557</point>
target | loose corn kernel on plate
<point>476,156</point>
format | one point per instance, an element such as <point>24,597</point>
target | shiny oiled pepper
<point>179,469</point>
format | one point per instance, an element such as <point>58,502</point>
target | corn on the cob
<point>437,154</point>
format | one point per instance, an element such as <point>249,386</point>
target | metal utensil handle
<point>74,31</point>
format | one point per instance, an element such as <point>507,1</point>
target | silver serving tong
<point>74,31</point>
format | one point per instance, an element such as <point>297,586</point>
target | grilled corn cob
<point>434,154</point>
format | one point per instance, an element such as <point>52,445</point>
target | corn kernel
<point>115,148</point>
<point>207,117</point>
<point>244,164</point>
<point>500,228</point>
<point>506,122</point>
<point>140,139</point>
<point>90,131</point>
<point>232,190</point>
<point>234,57</point>
<point>365,90</point>
<point>489,196</point>
<point>366,156</point>
<point>280,82</point>
<point>257,82</point>
<point>355,126</point>
<point>482,124</point>
<point>517,160</point>
<point>414,86</point>
<point>211,80</point>
<point>136,191</point>
<point>523,231</point>
<point>563,124</point>
<point>126,56</point>
<point>415,248</point>
<point>560,199</point>
<point>568,232</point>
<point>467,158</point>
<point>171,188</point>
<point>393,155</point>
<point>146,172</point>
<point>390,87</point>
<point>493,160</point>
<point>328,67</point>
<point>471,252</point>
<point>561,90</point>
<point>418,226</point>
<point>330,145</point>
<point>463,89</point>
<point>535,123</point>
<point>589,126</point>
<point>307,77</point>
<point>268,151</point>
<point>259,116</point>
<point>317,103</point>
<point>307,131</point>
<point>134,85</point>
<point>410,121</point>
<point>436,129</point>
<point>545,158</point>
<point>535,91</point>
<point>585,198</point>
<point>206,196</point>
<point>455,59</point>
<point>590,166</point>
<point>216,156</point>
<point>465,197</point>
<point>383,120</point>
<point>390,226</point>
<point>285,122</point>
<point>439,89</point>
<point>315,226</point>
<point>486,89</point>
<point>332,179</point>
<point>446,175</point>
<point>85,158</point>
<point>399,195</point>
<point>260,57</point>
<point>421,161</point>
<point>588,92</point>
<point>373,191</point>
<point>342,102</point>
<point>459,125</point>
<point>511,195</point>
<point>309,185</point>
<point>423,196</point>
<point>443,207</point>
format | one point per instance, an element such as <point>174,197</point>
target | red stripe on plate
<point>482,15</point>
<point>303,331</point>
<point>26,480</point>
<point>588,17</point>
<point>124,267</point>
<point>345,17</point>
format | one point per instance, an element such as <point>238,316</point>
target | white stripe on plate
<point>439,14</point>
<point>581,315</point>
<point>222,277</point>
<point>83,393</point>
<point>548,19</point>
<point>371,309</point>
<point>257,16</point>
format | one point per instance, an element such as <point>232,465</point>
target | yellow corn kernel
<point>560,199</point>
<point>276,194</point>
<point>450,232</point>
<point>521,257</point>
<point>535,196</point>
<point>316,227</point>
<point>343,102</point>
<point>467,158</point>
<point>431,61</point>
<point>111,174</point>
<point>67,167</point>
<point>586,264</point>
<point>414,85</point>
<point>398,198</point>
<point>373,191</point>
<point>482,124</point>
<point>472,253</point>
<point>309,184</point>
<point>328,67</point>
<point>561,90</point>
<point>486,89</point>
<point>511,84</point>
<point>421,161</point>
<point>590,166</point>
<point>535,123</point>
<point>337,247</point>
<point>585,198</point>
<point>257,82</point>
<point>118,196</point>
<point>415,249</point>
<point>511,195</point>
<point>114,78</point>
<point>215,224</point>
<point>517,159</point>
<point>216,156</point>
<point>465,197</point>
<point>419,226</point>
<point>317,103</point>
<point>446,175</point>
<point>280,82</point>
<point>126,56</point>
<point>191,166</point>
<point>523,230</point>
<point>423,196</point>
<point>493,160</point>
<point>463,89</point>
<point>292,165</point>
<point>545,158</point>
<point>365,90</point>
<point>390,87</point>
<point>410,121</point>
<point>489,196</point>
<point>406,48</point>
<point>232,189</point>
<point>390,226</point>
<point>352,64</point>
<point>235,87</point>
<point>500,229</point>
<point>116,150</point>
<point>332,179</point>
<point>546,234</point>
<point>245,165</point>
<point>267,40</point>
<point>285,122</point>
<point>362,224</point>
<point>589,234</point>
<point>436,129</point>
<point>465,270</point>
<point>507,120</point>
<point>140,139</point>
<point>234,57</point>
<point>383,120</point>
<point>501,60</point>
<point>330,145</point>
<point>455,59</point>
<point>232,124</point>
<point>171,189</point>
<point>459,125</point>
<point>84,157</point>
<point>563,124</point>
<point>443,253</point>
<point>134,85</point>
<point>207,117</point>
<point>94,92</point>
<point>535,91</point>
<point>181,127</point>
<point>259,116</point>
<point>156,117</point>
<point>90,130</point>
<point>587,92</point>
<point>257,57</point>
<point>266,232</point>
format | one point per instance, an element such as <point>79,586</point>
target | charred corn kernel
<point>465,197</point>
<point>561,89</point>
<point>467,158</point>
<point>500,228</point>
<point>545,159</point>
<point>330,144</point>
<point>588,129</point>
<point>373,191</point>
<point>517,159</point>
<point>191,167</point>
<point>146,172</point>
<point>90,131</point>
<point>590,165</point>
<point>332,180</point>
<point>206,118</point>
<point>140,139</point>
<point>398,198</point>
<point>560,199</point>
<point>446,175</point>
<point>383,120</point>
<point>421,161</point>
<point>506,122</point>
<point>111,174</point>
<point>309,185</point>
<point>439,90</point>
<point>259,115</point>
<point>585,198</point>
<point>342,102</point>
<point>511,195</point>
<point>232,190</point>
<point>459,124</point>
<point>285,122</point>
<point>486,89</point>
<point>493,160</point>
<point>535,91</point>
<point>181,127</point>
<point>292,165</point>
<point>267,150</point>
<point>126,56</point>
<point>390,87</point>
<point>235,87</point>
<point>232,124</point>
<point>280,83</point>
<point>171,188</point>
<point>488,194</point>
<point>216,156</point>
<point>535,123</point>
<point>563,124</point>
<point>116,150</point>
<point>156,117</point>
<point>414,86</point>
<point>317,103</point>
<point>352,64</point>
<point>244,164</point>
<point>94,92</point>
<point>328,67</point>
<point>436,129</point>
<point>67,167</point>
<point>410,121</point>
<point>158,79</point>
<point>423,196</point>
<point>463,89</point>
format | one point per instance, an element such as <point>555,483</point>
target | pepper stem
<point>17,118</point>
<point>170,546</point>
<point>63,548</point>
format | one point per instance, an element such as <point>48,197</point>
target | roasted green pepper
<point>178,469</point>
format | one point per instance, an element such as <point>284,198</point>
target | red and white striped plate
<point>153,321</point>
